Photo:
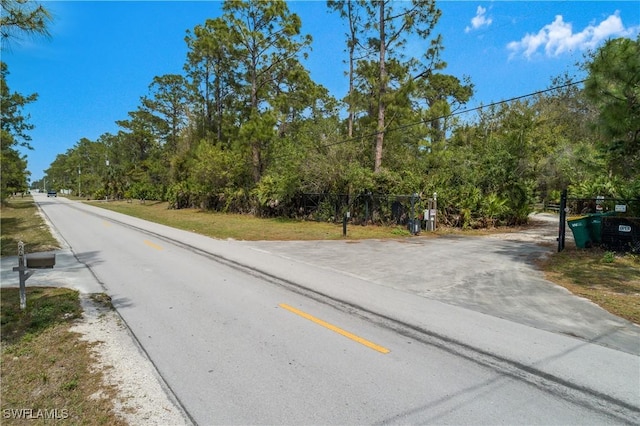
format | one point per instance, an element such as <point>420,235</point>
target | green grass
<point>247,227</point>
<point>45,307</point>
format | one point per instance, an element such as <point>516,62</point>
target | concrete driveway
<point>495,275</point>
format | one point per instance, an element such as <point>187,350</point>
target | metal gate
<point>410,210</point>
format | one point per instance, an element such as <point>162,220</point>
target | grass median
<point>247,227</point>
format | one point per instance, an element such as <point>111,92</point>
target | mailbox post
<point>414,224</point>
<point>430,212</point>
<point>23,274</point>
<point>35,261</point>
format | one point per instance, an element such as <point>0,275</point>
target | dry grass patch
<point>612,281</point>
<point>19,221</point>
<point>47,371</point>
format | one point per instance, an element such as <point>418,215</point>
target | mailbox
<point>41,260</point>
<point>30,261</point>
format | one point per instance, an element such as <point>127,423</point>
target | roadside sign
<point>621,208</point>
<point>624,228</point>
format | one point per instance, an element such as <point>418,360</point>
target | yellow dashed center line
<point>335,329</point>
<point>153,245</point>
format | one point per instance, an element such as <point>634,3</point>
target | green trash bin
<point>580,229</point>
<point>595,226</point>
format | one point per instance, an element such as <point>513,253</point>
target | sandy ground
<point>541,229</point>
<point>143,398</point>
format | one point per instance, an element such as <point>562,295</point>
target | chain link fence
<point>362,209</point>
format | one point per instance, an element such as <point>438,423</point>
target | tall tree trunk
<point>255,143</point>
<point>218,96</point>
<point>351,114</point>
<point>381,95</point>
<point>256,160</point>
<point>352,48</point>
<point>207,95</point>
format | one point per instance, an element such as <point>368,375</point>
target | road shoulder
<point>143,397</point>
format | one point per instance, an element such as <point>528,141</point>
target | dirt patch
<point>542,229</point>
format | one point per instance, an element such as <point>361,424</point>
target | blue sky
<point>102,56</point>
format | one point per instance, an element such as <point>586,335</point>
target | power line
<point>465,111</point>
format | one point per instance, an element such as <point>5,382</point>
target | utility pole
<point>563,220</point>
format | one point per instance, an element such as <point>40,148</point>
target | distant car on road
<point>52,193</point>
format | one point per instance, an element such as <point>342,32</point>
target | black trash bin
<point>621,233</point>
<point>414,226</point>
<point>595,225</point>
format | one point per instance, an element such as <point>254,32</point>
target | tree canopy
<point>614,88</point>
<point>20,18</point>
<point>246,129</point>
<point>17,18</point>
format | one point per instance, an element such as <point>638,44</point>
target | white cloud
<point>480,20</point>
<point>558,37</point>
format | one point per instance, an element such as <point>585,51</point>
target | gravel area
<point>143,397</point>
<point>541,229</point>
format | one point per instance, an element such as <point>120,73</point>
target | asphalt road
<point>259,333</point>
